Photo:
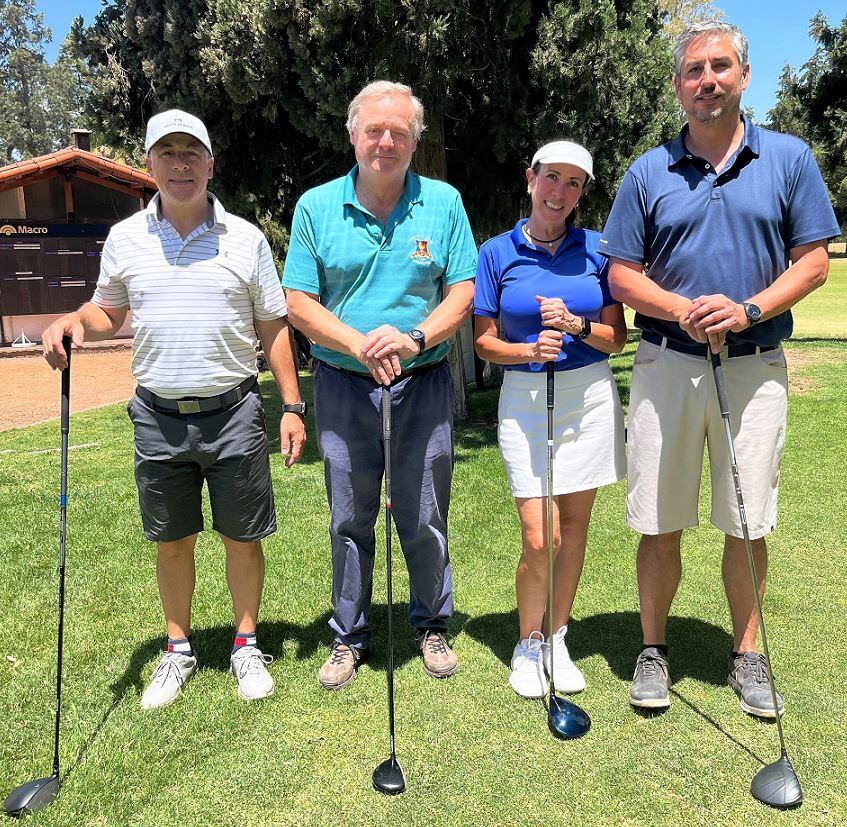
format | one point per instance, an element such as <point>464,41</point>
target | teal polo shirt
<point>368,274</point>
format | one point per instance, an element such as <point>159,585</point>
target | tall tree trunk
<point>430,161</point>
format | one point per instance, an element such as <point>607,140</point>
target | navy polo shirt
<point>699,232</point>
<point>511,272</point>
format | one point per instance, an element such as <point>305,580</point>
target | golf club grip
<point>717,369</point>
<point>66,385</point>
<point>385,407</point>
<point>551,380</point>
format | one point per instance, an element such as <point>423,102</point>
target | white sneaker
<point>568,678</point>
<point>527,678</point>
<point>173,671</point>
<point>248,664</point>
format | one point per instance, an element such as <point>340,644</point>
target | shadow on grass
<point>213,645</point>
<point>697,649</point>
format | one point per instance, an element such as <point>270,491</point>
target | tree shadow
<point>698,648</point>
<point>213,645</point>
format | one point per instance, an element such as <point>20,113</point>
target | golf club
<point>388,777</point>
<point>38,793</point>
<point>775,784</point>
<point>565,718</point>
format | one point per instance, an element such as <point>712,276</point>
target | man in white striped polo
<point>201,285</point>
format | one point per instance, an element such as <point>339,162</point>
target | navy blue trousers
<point>349,429</point>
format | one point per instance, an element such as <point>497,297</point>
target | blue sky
<point>778,31</point>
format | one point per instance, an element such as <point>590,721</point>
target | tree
<point>678,15</point>
<point>38,103</point>
<point>273,79</point>
<point>813,105</point>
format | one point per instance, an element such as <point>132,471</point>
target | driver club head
<point>566,719</point>
<point>32,796</point>
<point>777,785</point>
<point>388,777</point>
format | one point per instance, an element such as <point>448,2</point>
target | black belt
<point>727,352</point>
<point>419,371</point>
<point>198,404</point>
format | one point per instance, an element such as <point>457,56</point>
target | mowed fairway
<point>474,753</point>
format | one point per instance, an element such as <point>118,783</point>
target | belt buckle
<point>188,406</point>
<point>724,351</point>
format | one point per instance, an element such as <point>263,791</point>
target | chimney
<point>82,139</point>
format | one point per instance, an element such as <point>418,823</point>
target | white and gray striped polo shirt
<point>192,300</point>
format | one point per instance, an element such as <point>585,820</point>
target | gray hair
<point>710,28</point>
<point>383,89</point>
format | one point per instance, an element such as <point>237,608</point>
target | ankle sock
<point>662,647</point>
<point>181,645</point>
<point>243,639</point>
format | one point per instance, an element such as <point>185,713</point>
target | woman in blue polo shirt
<point>546,283</point>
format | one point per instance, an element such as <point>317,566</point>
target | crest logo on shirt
<point>421,254</point>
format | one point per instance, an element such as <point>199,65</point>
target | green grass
<point>821,315</point>
<point>474,753</point>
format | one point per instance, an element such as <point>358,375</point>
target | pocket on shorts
<point>774,359</point>
<point>646,354</point>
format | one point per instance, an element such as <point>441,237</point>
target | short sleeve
<point>487,287</point>
<point>110,290</point>
<point>265,288</point>
<point>625,234</point>
<point>810,214</point>
<point>302,265</point>
<point>462,256</point>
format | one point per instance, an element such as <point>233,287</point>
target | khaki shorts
<point>674,410</point>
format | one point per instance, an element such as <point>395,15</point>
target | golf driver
<point>775,784</point>
<point>565,718</point>
<point>388,777</point>
<point>38,793</point>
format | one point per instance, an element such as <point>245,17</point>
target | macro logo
<point>22,229</point>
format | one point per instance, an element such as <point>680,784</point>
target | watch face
<point>753,312</point>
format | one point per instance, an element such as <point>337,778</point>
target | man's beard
<point>711,115</point>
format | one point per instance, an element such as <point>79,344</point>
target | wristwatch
<point>586,329</point>
<point>753,312</point>
<point>299,408</point>
<point>418,338</point>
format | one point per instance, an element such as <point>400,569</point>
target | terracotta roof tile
<point>14,175</point>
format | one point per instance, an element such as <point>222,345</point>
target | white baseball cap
<point>172,121</point>
<point>565,152</point>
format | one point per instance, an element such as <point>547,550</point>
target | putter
<point>388,777</point>
<point>38,793</point>
<point>565,718</point>
<point>775,784</point>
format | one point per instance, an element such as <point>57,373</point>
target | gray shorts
<point>175,452</point>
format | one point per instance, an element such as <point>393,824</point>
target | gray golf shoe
<point>649,687</point>
<point>165,685</point>
<point>249,665</point>
<point>748,676</point>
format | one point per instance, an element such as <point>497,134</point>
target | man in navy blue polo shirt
<point>700,238</point>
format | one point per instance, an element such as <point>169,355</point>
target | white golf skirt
<point>588,430</point>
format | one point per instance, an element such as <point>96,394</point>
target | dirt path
<point>29,390</point>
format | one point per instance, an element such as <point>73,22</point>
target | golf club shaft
<point>723,403</point>
<point>551,389</point>
<point>386,441</point>
<point>63,519</point>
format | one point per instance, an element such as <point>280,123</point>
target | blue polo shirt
<point>699,232</point>
<point>368,274</point>
<point>512,272</point>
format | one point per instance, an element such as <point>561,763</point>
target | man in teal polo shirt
<point>379,275</point>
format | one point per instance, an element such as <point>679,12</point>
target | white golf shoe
<point>174,669</point>
<point>249,666</point>
<point>568,677</point>
<point>527,678</point>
